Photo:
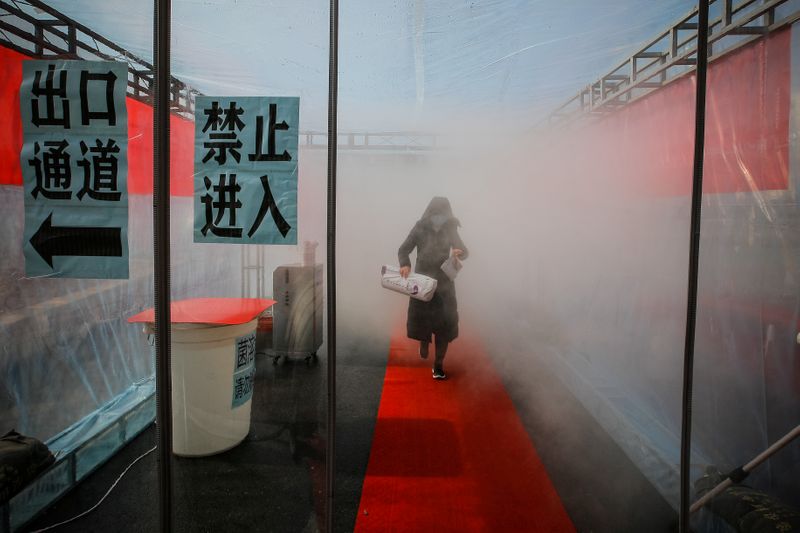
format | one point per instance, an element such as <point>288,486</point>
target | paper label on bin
<point>243,386</point>
<point>244,369</point>
<point>245,355</point>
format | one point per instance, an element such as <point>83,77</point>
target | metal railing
<point>35,29</point>
<point>394,141</point>
<point>673,53</point>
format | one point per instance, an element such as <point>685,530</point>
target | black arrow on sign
<point>52,240</point>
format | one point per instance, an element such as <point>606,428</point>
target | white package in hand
<point>415,285</point>
<point>452,266</point>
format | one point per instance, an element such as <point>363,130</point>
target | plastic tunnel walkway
<point>453,455</point>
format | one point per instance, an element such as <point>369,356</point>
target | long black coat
<point>439,316</point>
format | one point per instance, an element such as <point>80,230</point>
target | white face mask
<point>438,221</point>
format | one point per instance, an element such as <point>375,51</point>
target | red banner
<point>650,143</point>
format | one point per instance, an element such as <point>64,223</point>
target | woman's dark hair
<point>439,205</point>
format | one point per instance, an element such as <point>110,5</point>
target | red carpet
<point>453,455</point>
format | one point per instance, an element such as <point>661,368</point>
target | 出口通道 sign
<point>75,168</point>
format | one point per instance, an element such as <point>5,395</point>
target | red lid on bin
<point>222,311</point>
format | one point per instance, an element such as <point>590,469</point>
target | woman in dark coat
<point>434,236</point>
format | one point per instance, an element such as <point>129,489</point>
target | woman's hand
<point>457,252</point>
<point>404,271</point>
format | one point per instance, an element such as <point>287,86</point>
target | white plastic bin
<point>213,370</point>
<point>205,417</point>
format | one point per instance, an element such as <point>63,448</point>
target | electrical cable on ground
<point>95,506</point>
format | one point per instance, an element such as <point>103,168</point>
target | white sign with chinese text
<point>75,168</point>
<point>245,162</point>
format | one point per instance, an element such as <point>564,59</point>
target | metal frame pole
<point>161,244</point>
<point>333,90</point>
<point>694,253</point>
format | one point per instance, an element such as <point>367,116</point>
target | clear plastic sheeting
<point>272,475</point>
<point>578,229</point>
<point>422,65</point>
<point>78,330</point>
<point>746,372</point>
<point>69,349</point>
<point>83,447</point>
<point>562,134</point>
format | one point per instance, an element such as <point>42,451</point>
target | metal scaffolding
<point>36,30</point>
<point>673,53</point>
<point>393,141</point>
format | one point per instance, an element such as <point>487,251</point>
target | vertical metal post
<point>72,38</point>
<point>38,49</point>
<point>694,253</point>
<point>333,135</point>
<point>260,271</point>
<point>769,18</point>
<point>710,51</point>
<point>161,245</point>
<point>673,39</point>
